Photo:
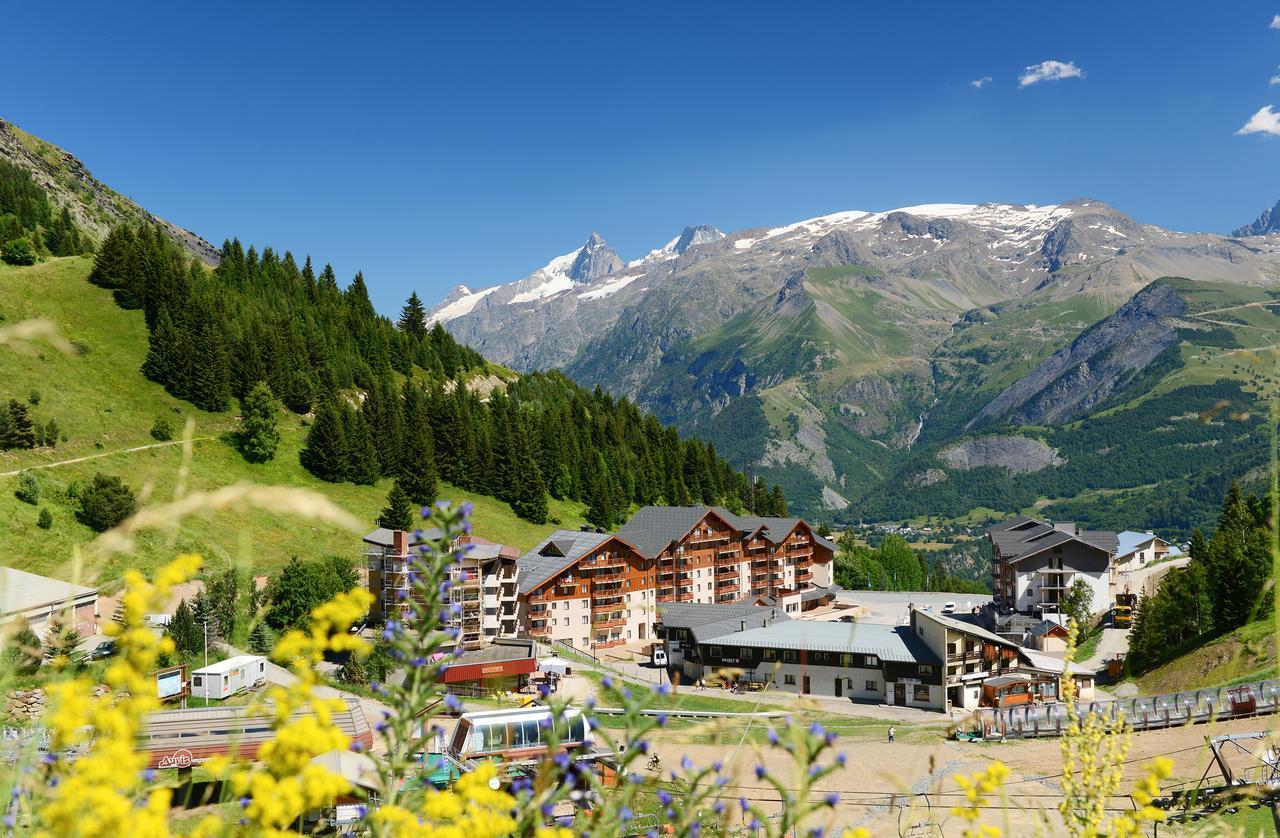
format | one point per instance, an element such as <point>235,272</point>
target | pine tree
<point>325,451</point>
<point>115,260</point>
<point>188,638</point>
<point>260,642</point>
<point>362,457</point>
<point>21,430</point>
<point>413,318</point>
<point>164,364</point>
<point>259,436</point>
<point>777,503</point>
<point>398,514</point>
<point>418,475</point>
<point>382,410</point>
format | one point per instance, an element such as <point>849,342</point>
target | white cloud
<point>1265,121</point>
<point>1275,22</point>
<point>979,83</point>
<point>1049,71</point>
<point>1276,78</point>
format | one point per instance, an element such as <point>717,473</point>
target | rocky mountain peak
<point>1268,222</point>
<point>594,260</point>
<point>700,234</point>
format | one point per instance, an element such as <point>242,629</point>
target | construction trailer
<point>226,678</point>
<point>1122,614</point>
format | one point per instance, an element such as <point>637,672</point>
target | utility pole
<point>205,623</point>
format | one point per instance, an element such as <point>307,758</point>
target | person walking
<point>892,733</point>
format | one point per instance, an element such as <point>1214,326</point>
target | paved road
<point>1113,641</point>
<point>890,607</point>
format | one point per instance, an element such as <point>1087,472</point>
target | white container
<point>226,678</point>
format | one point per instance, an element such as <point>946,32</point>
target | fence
<point>1139,713</point>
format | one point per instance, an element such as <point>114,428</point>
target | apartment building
<point>598,590</point>
<point>1035,562</point>
<point>588,589</point>
<point>482,582</point>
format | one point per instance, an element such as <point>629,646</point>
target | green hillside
<point>1247,653</point>
<point>105,406</point>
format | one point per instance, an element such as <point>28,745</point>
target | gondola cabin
<point>513,736</point>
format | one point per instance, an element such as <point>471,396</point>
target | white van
<point>659,655</point>
<point>948,608</point>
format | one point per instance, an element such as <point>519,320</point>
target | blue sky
<point>429,145</point>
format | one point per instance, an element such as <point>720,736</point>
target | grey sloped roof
<point>890,643</point>
<point>966,627</point>
<point>534,568</point>
<point>384,537</point>
<point>773,529</point>
<point>826,542</point>
<point>1024,536</point>
<point>1043,627</point>
<point>707,621</point>
<point>809,594</point>
<point>653,528</point>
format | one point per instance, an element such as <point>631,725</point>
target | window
<point>789,679</point>
<point>926,669</point>
<point>585,619</point>
<point>197,681</point>
<point>920,693</point>
<point>873,685</point>
<point>586,641</point>
<point>714,651</point>
<point>872,660</point>
<point>789,656</point>
<point>744,652</point>
<point>769,655</point>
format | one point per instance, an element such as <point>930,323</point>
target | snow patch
<point>460,306</point>
<point>608,288</point>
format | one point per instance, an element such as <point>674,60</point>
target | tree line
<point>1225,585</point>
<point>390,398</point>
<point>893,566</point>
<point>30,227</point>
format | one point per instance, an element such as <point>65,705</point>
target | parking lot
<point>891,607</point>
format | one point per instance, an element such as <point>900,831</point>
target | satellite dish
<point>494,783</point>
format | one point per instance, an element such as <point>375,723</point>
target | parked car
<point>103,650</point>
<point>948,608</point>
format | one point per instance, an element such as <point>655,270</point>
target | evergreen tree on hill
<point>259,436</point>
<point>398,513</point>
<point>382,411</point>
<point>20,431</point>
<point>362,457</point>
<point>418,476</point>
<point>413,318</point>
<point>325,452</point>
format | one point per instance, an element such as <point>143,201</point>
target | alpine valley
<point>947,361</point>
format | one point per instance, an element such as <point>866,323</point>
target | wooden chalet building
<point>599,590</point>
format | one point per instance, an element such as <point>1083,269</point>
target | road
<point>890,607</point>
<point>1113,641</point>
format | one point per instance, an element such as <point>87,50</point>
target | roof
<point>562,548</point>
<point>22,591</point>
<point>357,769</point>
<point>707,621</point>
<point>1129,541</point>
<point>1005,680</point>
<point>1048,663</point>
<point>1044,627</point>
<point>825,542</point>
<point>890,643</point>
<point>384,537</point>
<point>774,530</point>
<point>227,665</point>
<point>810,594</point>
<point>653,528</point>
<point>1023,536</point>
<point>501,649</point>
<point>966,627</point>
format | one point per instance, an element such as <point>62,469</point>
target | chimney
<point>743,624</point>
<point>400,542</point>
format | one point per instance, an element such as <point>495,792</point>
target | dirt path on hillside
<point>102,454</point>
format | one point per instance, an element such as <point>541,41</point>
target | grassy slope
<point>1248,651</point>
<point>101,397</point>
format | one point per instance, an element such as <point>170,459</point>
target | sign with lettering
<point>180,758</point>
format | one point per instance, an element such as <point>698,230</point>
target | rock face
<point>594,260</point>
<point>1014,454</point>
<point>1085,373</point>
<point>702,234</point>
<point>95,207</point>
<point>1268,222</point>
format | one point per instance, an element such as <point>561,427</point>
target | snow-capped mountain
<point>1267,222</point>
<point>794,347</point>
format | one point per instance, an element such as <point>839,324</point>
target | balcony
<point>727,570</point>
<point>613,621</point>
<point>540,631</point>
